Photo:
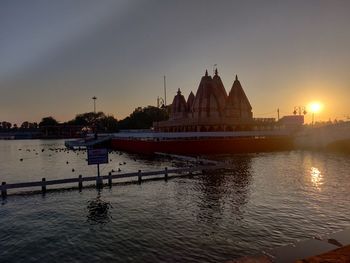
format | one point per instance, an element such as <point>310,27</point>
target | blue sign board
<point>97,156</point>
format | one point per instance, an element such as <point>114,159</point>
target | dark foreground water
<point>269,200</point>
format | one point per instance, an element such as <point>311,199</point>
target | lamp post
<point>315,107</point>
<point>94,98</point>
<point>300,110</point>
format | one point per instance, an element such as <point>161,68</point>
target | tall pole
<point>278,114</point>
<point>94,98</point>
<point>313,117</point>
<point>94,124</point>
<point>164,90</point>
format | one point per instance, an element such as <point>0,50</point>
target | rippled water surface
<point>268,200</point>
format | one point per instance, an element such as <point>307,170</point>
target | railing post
<point>3,190</point>
<point>166,173</point>
<point>139,177</point>
<point>43,186</point>
<point>110,180</point>
<point>80,182</point>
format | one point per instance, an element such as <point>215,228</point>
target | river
<point>268,200</point>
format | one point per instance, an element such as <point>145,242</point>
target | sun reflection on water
<point>316,177</point>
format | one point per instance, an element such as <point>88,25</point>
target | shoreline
<point>333,247</point>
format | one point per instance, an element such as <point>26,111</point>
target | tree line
<point>140,118</point>
<point>5,125</point>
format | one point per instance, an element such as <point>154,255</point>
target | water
<point>269,200</point>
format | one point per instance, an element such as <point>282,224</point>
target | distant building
<point>211,109</point>
<point>61,131</point>
<point>291,121</point>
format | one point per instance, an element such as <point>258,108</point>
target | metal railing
<point>99,180</point>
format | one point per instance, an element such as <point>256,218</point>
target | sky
<point>56,55</point>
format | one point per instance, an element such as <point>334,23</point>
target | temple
<point>211,109</point>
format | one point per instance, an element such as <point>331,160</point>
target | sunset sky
<point>56,55</point>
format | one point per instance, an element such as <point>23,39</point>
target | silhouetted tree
<point>48,121</point>
<point>29,125</point>
<point>25,125</point>
<point>33,125</point>
<point>5,125</point>
<point>87,119</point>
<point>143,118</point>
<point>96,121</point>
<point>107,124</point>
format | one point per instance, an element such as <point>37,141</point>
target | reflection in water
<point>268,200</point>
<point>226,191</point>
<point>98,211</point>
<point>316,177</point>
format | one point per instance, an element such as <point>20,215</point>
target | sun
<point>315,106</point>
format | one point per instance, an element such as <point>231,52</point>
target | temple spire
<point>179,91</point>
<point>236,77</point>
<point>216,71</point>
<point>206,73</point>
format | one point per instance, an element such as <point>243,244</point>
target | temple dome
<point>210,98</point>
<point>238,105</point>
<point>178,107</point>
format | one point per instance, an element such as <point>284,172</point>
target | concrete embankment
<point>340,255</point>
<point>334,248</point>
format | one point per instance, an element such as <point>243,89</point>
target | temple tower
<point>238,106</point>
<point>209,100</point>
<point>190,101</point>
<point>178,107</point>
